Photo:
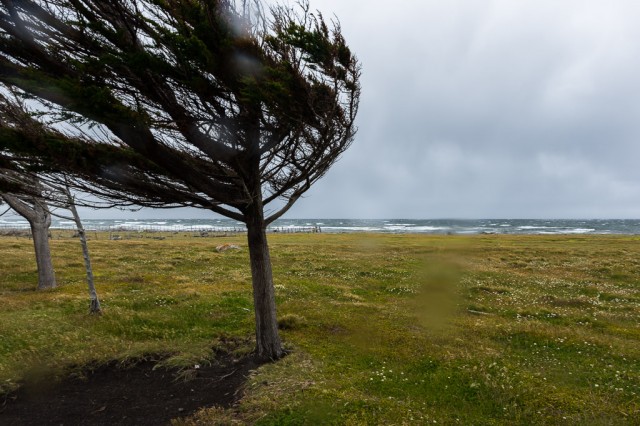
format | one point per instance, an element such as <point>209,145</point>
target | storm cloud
<point>475,109</point>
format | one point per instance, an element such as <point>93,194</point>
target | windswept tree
<point>235,108</point>
<point>23,192</point>
<point>31,195</point>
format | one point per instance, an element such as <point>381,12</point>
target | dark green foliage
<point>222,104</point>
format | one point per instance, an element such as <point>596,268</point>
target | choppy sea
<point>392,226</point>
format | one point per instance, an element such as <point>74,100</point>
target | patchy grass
<point>383,329</point>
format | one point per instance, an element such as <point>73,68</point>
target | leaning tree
<point>235,108</point>
<point>21,189</point>
<point>35,195</point>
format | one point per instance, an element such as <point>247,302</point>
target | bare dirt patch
<point>137,393</point>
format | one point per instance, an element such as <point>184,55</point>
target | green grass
<point>383,329</point>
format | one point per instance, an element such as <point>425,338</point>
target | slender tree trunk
<point>268,344</point>
<point>94,306</point>
<point>39,218</point>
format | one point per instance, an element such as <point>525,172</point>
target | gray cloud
<point>490,109</point>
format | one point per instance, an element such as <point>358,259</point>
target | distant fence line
<point>197,230</point>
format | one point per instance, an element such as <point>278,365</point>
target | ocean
<point>388,226</point>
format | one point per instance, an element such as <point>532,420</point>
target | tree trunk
<point>46,274</point>
<point>94,306</point>
<point>268,344</point>
<point>39,218</point>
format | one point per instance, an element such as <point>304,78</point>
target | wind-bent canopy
<point>180,101</point>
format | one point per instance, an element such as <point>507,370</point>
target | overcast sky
<point>487,109</point>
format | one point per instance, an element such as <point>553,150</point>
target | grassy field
<point>383,329</point>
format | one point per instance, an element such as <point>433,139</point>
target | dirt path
<point>135,395</point>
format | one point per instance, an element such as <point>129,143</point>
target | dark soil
<point>133,394</point>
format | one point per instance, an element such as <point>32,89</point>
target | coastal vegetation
<point>380,329</point>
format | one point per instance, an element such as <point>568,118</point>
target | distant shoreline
<point>338,226</point>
